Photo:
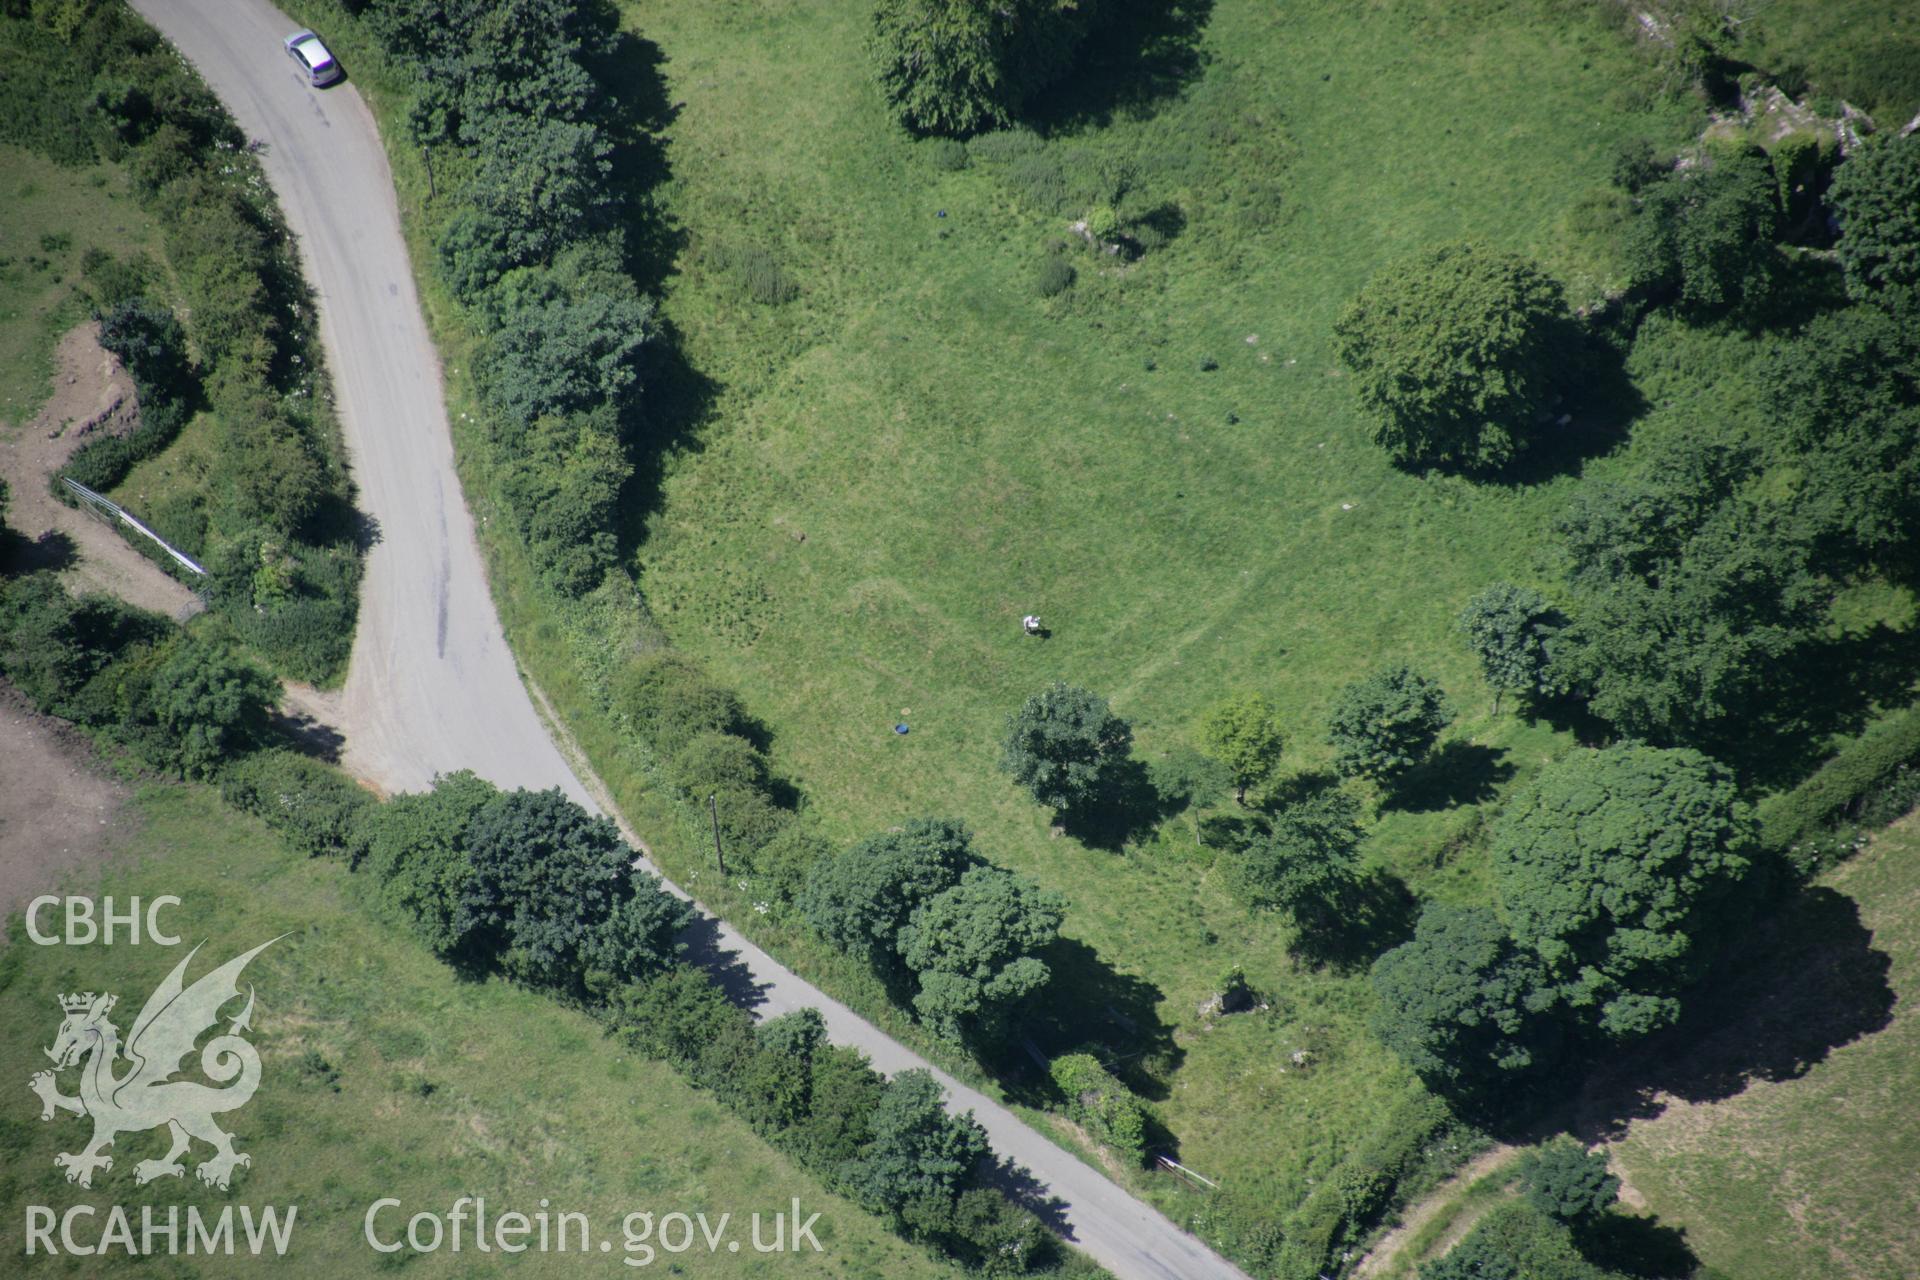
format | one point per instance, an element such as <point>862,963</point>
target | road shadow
<point>1804,983</point>
<point>53,550</point>
<point>705,947</point>
<point>307,735</point>
<point>1017,1183</point>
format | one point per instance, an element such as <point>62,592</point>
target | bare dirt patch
<point>92,394</point>
<point>58,811</point>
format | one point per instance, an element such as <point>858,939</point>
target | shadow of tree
<point>707,949</point>
<point>1140,53</point>
<point>1017,1183</point>
<point>1830,685</point>
<point>1090,1005</point>
<point>1804,983</point>
<point>1637,1246</point>
<point>1457,773</point>
<point>1375,914</point>
<point>1129,806</point>
<point>1601,413</point>
<point>307,735</point>
<point>675,398</point>
<point>53,550</point>
<point>1297,788</point>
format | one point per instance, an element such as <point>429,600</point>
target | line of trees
<point>525,140</point>
<point>272,518</point>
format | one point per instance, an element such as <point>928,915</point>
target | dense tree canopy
<point>973,947</point>
<point>416,847</point>
<point>1876,195</point>
<point>1383,725</point>
<point>959,66</point>
<point>1509,629</point>
<point>1705,235</point>
<point>918,1152</point>
<point>1461,1004</point>
<point>862,899</point>
<point>1304,863</point>
<point>1568,1183</point>
<point>1456,351</point>
<point>1619,869</point>
<point>1845,397</point>
<point>554,897</point>
<point>1061,744</point>
<point>1689,601</point>
<point>212,700</point>
<point>1515,1242</point>
<point>1243,733</point>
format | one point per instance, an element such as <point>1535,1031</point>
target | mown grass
<point>54,215</point>
<point>1810,1174</point>
<point>384,1074</point>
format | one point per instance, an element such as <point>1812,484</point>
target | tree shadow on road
<point>707,949</point>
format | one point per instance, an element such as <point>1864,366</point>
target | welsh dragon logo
<point>146,1096</point>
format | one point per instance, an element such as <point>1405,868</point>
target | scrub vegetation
<point>236,458</point>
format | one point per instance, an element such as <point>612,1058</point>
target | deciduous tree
<point>1456,351</point>
<point>1462,1005</point>
<point>1305,863</point>
<point>1385,724</point>
<point>1243,733</point>
<point>554,895</point>
<point>862,899</point>
<point>1705,235</point>
<point>1509,629</point>
<point>959,66</point>
<point>972,948</point>
<point>918,1152</point>
<point>1060,744</point>
<point>1568,1183</point>
<point>1876,195</point>
<point>1620,869</point>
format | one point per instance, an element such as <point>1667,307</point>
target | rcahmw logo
<point>146,1095</point>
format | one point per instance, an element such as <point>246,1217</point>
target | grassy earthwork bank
<point>384,1074</point>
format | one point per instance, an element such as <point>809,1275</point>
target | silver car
<point>319,66</point>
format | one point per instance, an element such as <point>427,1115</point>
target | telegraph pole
<point>713,811</point>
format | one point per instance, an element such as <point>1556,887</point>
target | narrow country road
<point>432,686</point>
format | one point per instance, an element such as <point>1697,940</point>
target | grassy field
<point>1164,462</point>
<point>54,216</point>
<point>385,1075</point>
<point>1810,1174</point>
